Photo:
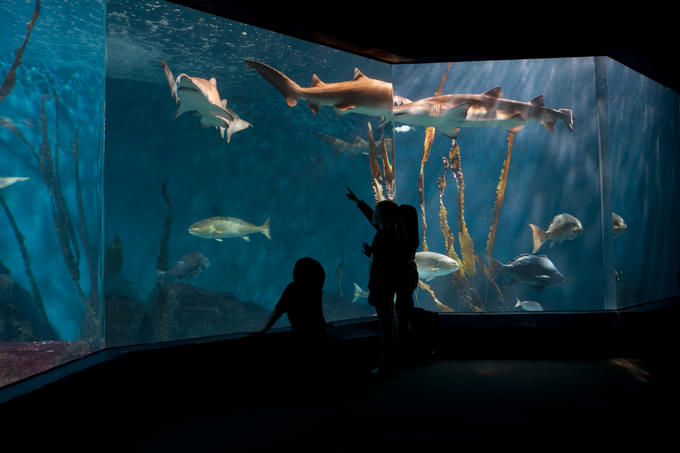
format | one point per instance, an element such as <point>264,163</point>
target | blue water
<point>130,143</point>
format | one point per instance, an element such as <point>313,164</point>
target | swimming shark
<point>194,94</point>
<point>450,112</point>
<point>359,95</point>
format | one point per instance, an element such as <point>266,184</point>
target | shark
<point>6,181</point>
<point>450,112</point>
<point>195,94</point>
<point>362,94</point>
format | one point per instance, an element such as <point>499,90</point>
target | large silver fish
<point>535,270</point>
<point>359,95</point>
<point>188,266</point>
<point>619,226</point>
<point>563,227</point>
<point>450,112</point>
<point>219,228</point>
<point>194,94</point>
<point>528,305</point>
<point>432,264</point>
<point>6,181</point>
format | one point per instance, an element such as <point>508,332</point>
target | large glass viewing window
<point>162,170</point>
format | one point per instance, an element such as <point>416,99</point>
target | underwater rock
<point>180,310</point>
<point>21,360</point>
<point>20,318</point>
<point>127,321</point>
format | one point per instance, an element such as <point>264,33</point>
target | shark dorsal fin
<point>494,92</point>
<point>358,74</point>
<point>316,81</point>
<point>538,100</point>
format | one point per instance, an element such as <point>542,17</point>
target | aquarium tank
<point>162,169</point>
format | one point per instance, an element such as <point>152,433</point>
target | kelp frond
<point>500,196</point>
<point>467,249</point>
<point>429,138</point>
<point>388,169</point>
<point>376,173</point>
<point>10,78</point>
<point>443,307</point>
<point>449,238</point>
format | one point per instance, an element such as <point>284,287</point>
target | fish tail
<point>357,293</point>
<point>288,88</point>
<point>538,236</point>
<point>518,302</point>
<point>265,229</point>
<point>567,117</point>
<point>495,267</point>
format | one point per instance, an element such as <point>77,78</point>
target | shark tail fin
<point>265,229</point>
<point>567,118</point>
<point>288,88</point>
<point>538,237</point>
<point>357,293</point>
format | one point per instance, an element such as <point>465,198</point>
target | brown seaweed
<point>376,173</point>
<point>500,196</point>
<point>429,138</point>
<point>10,78</point>
<point>467,250</point>
<point>437,302</point>
<point>388,169</point>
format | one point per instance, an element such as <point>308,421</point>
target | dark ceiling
<point>643,38</point>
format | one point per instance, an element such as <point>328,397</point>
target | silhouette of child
<point>302,301</point>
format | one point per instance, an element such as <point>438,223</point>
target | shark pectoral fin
<point>245,238</point>
<point>549,124</point>
<point>222,132</point>
<point>313,107</point>
<point>343,107</point>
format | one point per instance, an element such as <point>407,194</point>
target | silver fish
<point>9,180</point>
<point>432,264</point>
<point>188,266</point>
<point>219,228</point>
<point>535,270</point>
<point>563,227</point>
<point>619,225</point>
<point>528,305</point>
<point>194,94</point>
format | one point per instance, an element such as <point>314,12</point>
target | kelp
<point>376,173</point>
<point>429,138</point>
<point>449,238</point>
<point>160,316</point>
<point>443,307</point>
<point>10,78</point>
<point>500,196</point>
<point>388,169</point>
<point>467,249</point>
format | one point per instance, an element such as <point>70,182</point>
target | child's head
<point>309,272</point>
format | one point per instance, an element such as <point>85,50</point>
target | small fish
<point>619,225</point>
<point>188,266</point>
<point>563,227</point>
<point>9,180</point>
<point>432,264</point>
<point>404,128</point>
<point>194,94</point>
<point>358,293</point>
<point>528,305</point>
<point>219,228</point>
<point>535,270</point>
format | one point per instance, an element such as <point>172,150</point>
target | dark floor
<point>606,381</point>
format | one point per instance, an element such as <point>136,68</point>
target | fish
<point>619,226</point>
<point>528,305</point>
<point>362,94</point>
<point>194,94</point>
<point>6,181</point>
<point>404,128</point>
<point>450,112</point>
<point>358,146</point>
<point>562,228</point>
<point>219,228</point>
<point>433,264</point>
<point>189,265</point>
<point>358,293</point>
<point>535,270</point>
